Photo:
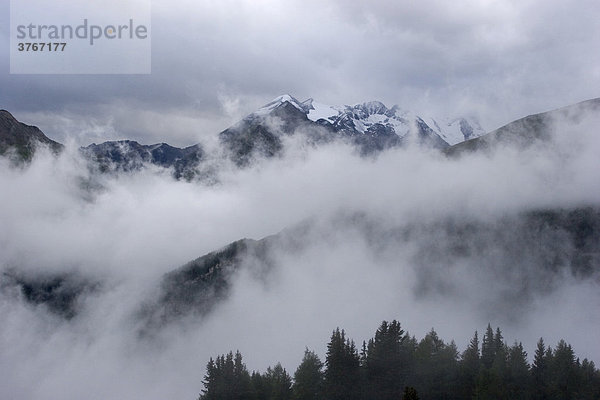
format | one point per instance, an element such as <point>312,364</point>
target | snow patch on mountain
<point>374,117</point>
<point>278,101</point>
<point>323,111</point>
<point>456,130</point>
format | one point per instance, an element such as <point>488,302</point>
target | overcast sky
<point>215,61</point>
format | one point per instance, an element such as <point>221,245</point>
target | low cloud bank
<point>356,265</point>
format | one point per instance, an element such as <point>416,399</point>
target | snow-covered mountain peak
<point>307,104</point>
<point>455,130</point>
<point>280,100</point>
<point>372,107</point>
<point>374,117</point>
<point>326,112</point>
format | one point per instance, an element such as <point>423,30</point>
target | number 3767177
<point>49,46</point>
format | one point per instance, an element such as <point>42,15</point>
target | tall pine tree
<point>469,369</point>
<point>540,372</point>
<point>308,378</point>
<point>342,374</point>
<point>278,383</point>
<point>227,379</point>
<point>385,362</point>
<point>517,379</point>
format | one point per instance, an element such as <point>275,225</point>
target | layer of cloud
<point>133,228</point>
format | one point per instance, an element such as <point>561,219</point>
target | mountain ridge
<point>23,139</point>
<point>566,241</point>
<point>525,131</point>
<point>129,155</point>
<point>370,126</point>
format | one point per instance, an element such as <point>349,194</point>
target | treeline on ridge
<point>395,365</point>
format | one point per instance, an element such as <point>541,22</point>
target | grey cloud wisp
<point>364,239</point>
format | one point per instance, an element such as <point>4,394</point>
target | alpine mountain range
<point>371,126</point>
<point>556,241</point>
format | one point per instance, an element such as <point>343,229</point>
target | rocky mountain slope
<point>532,251</point>
<point>21,140</point>
<point>128,155</point>
<point>529,130</point>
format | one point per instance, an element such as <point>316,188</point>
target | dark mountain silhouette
<point>21,140</point>
<point>529,130</point>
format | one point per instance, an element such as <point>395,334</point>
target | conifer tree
<point>488,350</point>
<point>308,378</point>
<point>469,368</point>
<point>242,385</point>
<point>342,376</point>
<point>227,379</point>
<point>563,371</point>
<point>517,380</point>
<point>436,366</point>
<point>540,371</point>
<point>498,372</point>
<point>493,368</point>
<point>589,384</point>
<point>260,386</point>
<point>278,383</point>
<point>385,371</point>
